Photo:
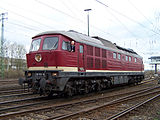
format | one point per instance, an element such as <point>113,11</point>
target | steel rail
<point>9,80</point>
<point>21,106</point>
<point>74,103</point>
<point>23,90</point>
<point>10,91</point>
<point>65,116</point>
<point>146,81</point>
<point>20,100</point>
<point>15,95</point>
<point>2,110</point>
<point>120,114</point>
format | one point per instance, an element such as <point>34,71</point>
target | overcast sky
<point>129,23</point>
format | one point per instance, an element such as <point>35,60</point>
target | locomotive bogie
<point>71,83</point>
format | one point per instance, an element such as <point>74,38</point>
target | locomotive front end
<point>42,82</point>
<point>42,73</point>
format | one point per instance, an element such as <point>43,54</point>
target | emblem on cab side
<point>38,57</point>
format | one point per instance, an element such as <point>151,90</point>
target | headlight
<point>38,57</point>
<point>54,74</point>
<point>29,74</point>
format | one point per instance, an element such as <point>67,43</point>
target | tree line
<point>14,56</point>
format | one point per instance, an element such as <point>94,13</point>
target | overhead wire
<point>23,26</point>
<point>157,22</point>
<point>30,28</point>
<point>37,13</point>
<point>18,33</point>
<point>73,17</point>
<point>64,13</point>
<point>143,15</point>
<point>44,17</point>
<point>122,24</point>
<point>26,18</point>
<point>127,17</point>
<point>17,14</point>
<point>33,20</point>
<point>71,11</point>
<point>140,12</point>
<point>126,28</point>
<point>76,9</point>
<point>56,21</point>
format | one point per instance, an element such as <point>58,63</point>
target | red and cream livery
<point>70,62</point>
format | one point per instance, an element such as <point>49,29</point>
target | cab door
<point>81,67</point>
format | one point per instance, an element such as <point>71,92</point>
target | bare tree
<point>20,55</point>
<point>15,55</point>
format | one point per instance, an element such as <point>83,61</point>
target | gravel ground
<point>9,84</point>
<point>149,111</point>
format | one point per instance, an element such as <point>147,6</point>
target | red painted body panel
<point>48,59</point>
<point>65,58</point>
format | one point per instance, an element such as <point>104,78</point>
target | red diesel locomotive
<point>71,63</point>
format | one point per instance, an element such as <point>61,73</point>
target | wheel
<point>69,90</point>
<point>99,86</point>
<point>86,89</point>
<point>109,84</point>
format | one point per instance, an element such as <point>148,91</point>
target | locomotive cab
<point>40,52</point>
<point>45,51</point>
<point>46,61</point>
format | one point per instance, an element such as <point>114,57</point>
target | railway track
<point>111,108</point>
<point>21,103</point>
<point>15,95</point>
<point>147,80</point>
<point>128,110</point>
<point>9,80</point>
<point>12,91</point>
<point>11,108</point>
<point>111,104</point>
<point>21,92</point>
<point>64,110</point>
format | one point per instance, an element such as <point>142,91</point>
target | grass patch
<point>158,112</point>
<point>155,119</point>
<point>14,73</point>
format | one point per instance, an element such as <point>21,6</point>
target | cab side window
<point>64,45</point>
<point>81,49</point>
<point>126,58</point>
<point>114,55</point>
<point>69,46</point>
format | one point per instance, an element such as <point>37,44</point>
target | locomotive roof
<point>82,38</point>
<point>94,41</point>
<point>106,42</point>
